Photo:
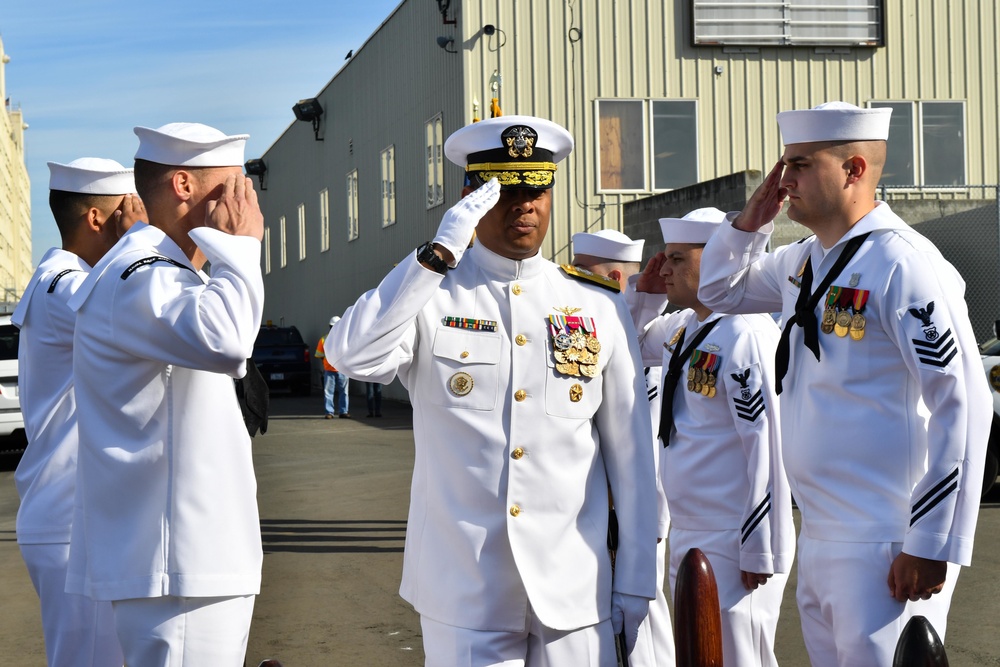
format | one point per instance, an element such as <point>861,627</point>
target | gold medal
<point>829,320</point>
<point>711,380</point>
<point>697,387</point>
<point>579,340</point>
<point>589,370</point>
<point>593,345</point>
<point>705,389</point>
<point>843,323</point>
<point>575,393</point>
<point>690,375</point>
<point>690,385</point>
<point>460,384</point>
<point>569,368</point>
<point>858,326</point>
<point>711,392</point>
<point>560,356</point>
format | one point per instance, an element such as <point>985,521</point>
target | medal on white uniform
<point>575,346</point>
<point>858,322</point>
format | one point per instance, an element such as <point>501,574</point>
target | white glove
<point>459,222</point>
<point>628,612</point>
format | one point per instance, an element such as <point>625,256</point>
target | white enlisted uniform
<point>509,504</point>
<point>166,525</point>
<point>722,471</point>
<point>887,433</point>
<point>167,481</point>
<point>78,631</point>
<point>654,646</point>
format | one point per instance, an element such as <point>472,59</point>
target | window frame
<point>302,231</point>
<point>434,160</point>
<point>919,147</point>
<point>283,240</point>
<point>353,205</point>
<point>387,165</point>
<point>267,250</point>
<point>324,220</point>
<point>648,139</point>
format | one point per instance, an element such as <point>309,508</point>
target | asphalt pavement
<point>333,497</point>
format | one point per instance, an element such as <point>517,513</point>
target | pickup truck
<point>283,358</point>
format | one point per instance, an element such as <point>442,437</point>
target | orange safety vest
<point>320,354</point>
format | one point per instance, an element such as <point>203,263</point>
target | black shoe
<point>370,415</point>
<point>329,416</point>
<point>345,415</point>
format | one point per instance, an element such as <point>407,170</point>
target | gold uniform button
<point>520,339</point>
<point>464,355</point>
<point>517,453</point>
<point>520,395</point>
<point>514,510</point>
<point>516,289</point>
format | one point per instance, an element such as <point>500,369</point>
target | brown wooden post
<point>697,618</point>
<point>919,646</point>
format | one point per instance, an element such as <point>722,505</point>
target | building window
<point>282,240</point>
<point>267,250</point>
<point>352,205</point>
<point>324,220</point>
<point>926,144</point>
<point>302,232</point>
<point>388,161</point>
<point>788,23</point>
<point>643,156</point>
<point>434,142</point>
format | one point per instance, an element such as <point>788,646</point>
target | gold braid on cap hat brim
<point>516,173</point>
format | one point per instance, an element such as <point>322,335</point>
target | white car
<point>11,420</point>
<point>990,351</point>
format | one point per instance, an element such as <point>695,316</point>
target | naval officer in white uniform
<point>170,532</point>
<point>93,203</point>
<point>528,403</point>
<point>614,255</point>
<point>721,464</point>
<point>885,409</point>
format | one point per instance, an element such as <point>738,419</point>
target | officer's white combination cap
<point>695,227</point>
<point>190,145</point>
<point>834,121</point>
<point>91,176</point>
<point>519,151</point>
<point>608,244</point>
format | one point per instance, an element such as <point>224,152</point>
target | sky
<point>85,72</point>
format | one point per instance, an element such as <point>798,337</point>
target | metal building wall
<point>556,58</point>
<point>562,55</point>
<point>395,82</point>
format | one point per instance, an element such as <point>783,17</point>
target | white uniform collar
<point>141,237</point>
<point>879,218</point>
<point>503,269</point>
<point>53,259</point>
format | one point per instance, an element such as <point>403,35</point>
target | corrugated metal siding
<point>557,57</point>
<point>641,49</point>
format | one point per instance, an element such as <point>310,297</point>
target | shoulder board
<point>590,276</point>
<point>146,261</point>
<point>804,240</point>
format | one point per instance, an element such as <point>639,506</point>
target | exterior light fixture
<point>256,168</point>
<point>309,110</point>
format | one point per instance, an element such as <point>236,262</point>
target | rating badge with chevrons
<point>748,405</point>
<point>937,349</point>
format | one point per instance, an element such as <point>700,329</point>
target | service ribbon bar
<point>469,323</point>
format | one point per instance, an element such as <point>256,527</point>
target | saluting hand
<point>459,222</point>
<point>650,279</point>
<point>128,213</point>
<point>236,212</point>
<point>765,203</point>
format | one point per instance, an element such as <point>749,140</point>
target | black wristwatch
<point>426,255</point>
